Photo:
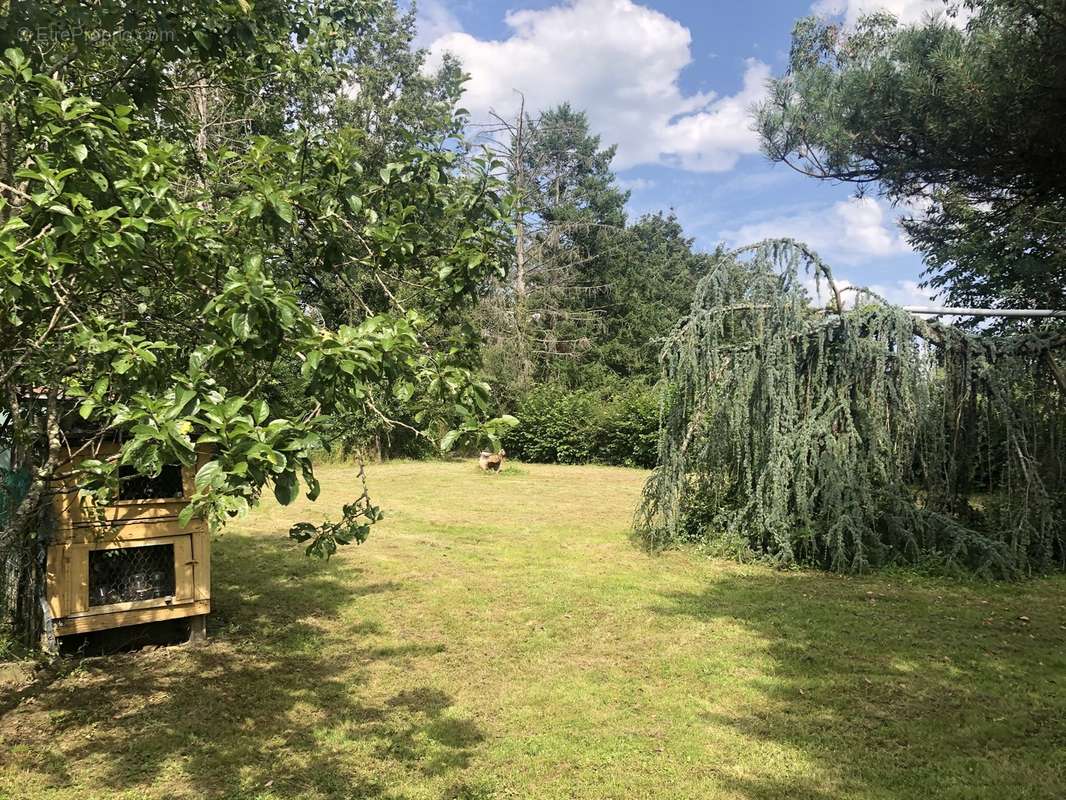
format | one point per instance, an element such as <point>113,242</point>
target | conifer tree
<point>962,116</point>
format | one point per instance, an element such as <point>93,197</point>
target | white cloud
<point>852,231</point>
<point>906,11</point>
<point>635,184</point>
<point>433,19</point>
<point>621,62</point>
<point>901,293</point>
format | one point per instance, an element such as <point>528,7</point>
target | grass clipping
<point>854,436</point>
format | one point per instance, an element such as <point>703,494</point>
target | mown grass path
<point>501,637</point>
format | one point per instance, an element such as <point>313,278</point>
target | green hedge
<point>611,425</point>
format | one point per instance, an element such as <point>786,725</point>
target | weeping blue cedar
<point>853,436</point>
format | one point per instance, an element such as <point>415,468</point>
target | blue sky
<point>671,83</point>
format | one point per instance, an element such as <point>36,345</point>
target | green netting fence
<point>18,565</point>
<point>13,487</point>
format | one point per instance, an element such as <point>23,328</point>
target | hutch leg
<point>198,629</point>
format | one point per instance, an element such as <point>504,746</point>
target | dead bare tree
<point>546,309</point>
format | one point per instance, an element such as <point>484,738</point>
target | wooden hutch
<point>130,562</point>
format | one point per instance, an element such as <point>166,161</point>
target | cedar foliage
<point>854,436</point>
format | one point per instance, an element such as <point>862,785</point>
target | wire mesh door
<point>131,574</point>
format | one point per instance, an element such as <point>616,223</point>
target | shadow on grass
<point>894,691</point>
<point>272,707</point>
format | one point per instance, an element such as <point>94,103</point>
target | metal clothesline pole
<point>987,312</point>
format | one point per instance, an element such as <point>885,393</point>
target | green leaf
<point>286,487</point>
<point>80,152</point>
<point>302,531</point>
<point>15,57</point>
<point>182,398</point>
<point>186,514</point>
<point>207,475</point>
<point>284,210</point>
<point>448,441</point>
<point>242,326</point>
<point>260,411</point>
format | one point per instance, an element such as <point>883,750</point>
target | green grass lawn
<point>501,637</point>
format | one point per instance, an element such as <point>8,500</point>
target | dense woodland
<point>275,234</point>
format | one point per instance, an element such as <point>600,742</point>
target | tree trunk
<point>19,542</point>
<point>520,286</point>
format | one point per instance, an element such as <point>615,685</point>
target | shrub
<point>609,425</point>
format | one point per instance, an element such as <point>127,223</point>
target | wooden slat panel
<point>131,531</point>
<point>71,515</point>
<point>99,622</point>
<point>140,542</point>
<point>201,548</point>
<point>133,605</point>
<point>77,579</point>
<point>184,573</point>
<point>55,579</point>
